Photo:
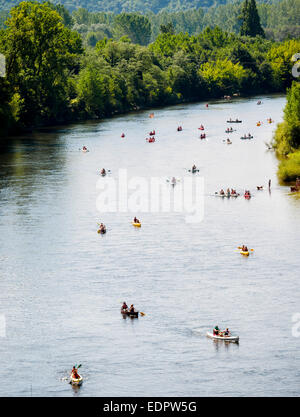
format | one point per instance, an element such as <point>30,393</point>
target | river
<point>62,284</point>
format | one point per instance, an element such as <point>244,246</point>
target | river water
<point>62,284</point>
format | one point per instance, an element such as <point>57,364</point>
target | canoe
<point>248,137</point>
<point>247,197</point>
<point>225,338</point>
<point>137,224</point>
<point>75,381</point>
<point>234,121</point>
<point>244,253</point>
<point>127,313</point>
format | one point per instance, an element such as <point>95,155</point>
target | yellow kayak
<point>244,253</point>
<point>137,224</point>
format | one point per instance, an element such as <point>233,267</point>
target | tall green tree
<point>135,26</point>
<point>250,20</point>
<point>40,54</point>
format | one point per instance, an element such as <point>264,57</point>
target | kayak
<point>258,124</point>
<point>234,121</point>
<point>102,232</point>
<point>137,224</point>
<point>248,137</point>
<point>244,253</point>
<point>75,381</point>
<point>226,338</point>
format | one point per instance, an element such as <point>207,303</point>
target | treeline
<point>51,78</point>
<point>287,137</point>
<point>120,6</point>
<point>280,21</point>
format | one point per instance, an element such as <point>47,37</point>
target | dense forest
<point>52,77</point>
<point>119,6</point>
<point>280,19</point>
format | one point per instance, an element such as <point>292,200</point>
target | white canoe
<point>75,381</point>
<point>226,338</point>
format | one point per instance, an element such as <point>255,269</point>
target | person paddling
<point>103,172</point>
<point>227,332</point>
<point>124,307</point>
<point>135,220</point>
<point>74,373</point>
<point>216,331</point>
<point>102,228</point>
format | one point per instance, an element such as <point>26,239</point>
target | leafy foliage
<point>250,20</point>
<point>51,78</point>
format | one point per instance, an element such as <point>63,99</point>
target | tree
<point>135,26</point>
<point>40,52</point>
<point>168,28</point>
<point>250,20</point>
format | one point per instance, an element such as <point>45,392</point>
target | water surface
<point>62,284</point>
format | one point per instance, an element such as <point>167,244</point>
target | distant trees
<point>167,28</point>
<point>135,26</point>
<point>250,20</point>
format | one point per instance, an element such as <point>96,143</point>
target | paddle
<point>142,314</point>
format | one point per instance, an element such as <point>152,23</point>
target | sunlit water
<point>62,284</point>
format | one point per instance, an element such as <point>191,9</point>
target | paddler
<point>74,373</point>
<point>103,172</point>
<point>135,220</point>
<point>222,192</point>
<point>131,310</point>
<point>216,331</point>
<point>102,228</point>
<point>226,332</point>
<point>124,307</point>
<point>194,168</point>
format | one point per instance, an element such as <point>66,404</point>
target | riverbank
<point>287,137</point>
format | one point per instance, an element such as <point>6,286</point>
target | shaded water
<point>62,284</point>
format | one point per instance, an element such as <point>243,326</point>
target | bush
<point>289,169</point>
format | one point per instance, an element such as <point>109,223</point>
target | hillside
<point>118,6</point>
